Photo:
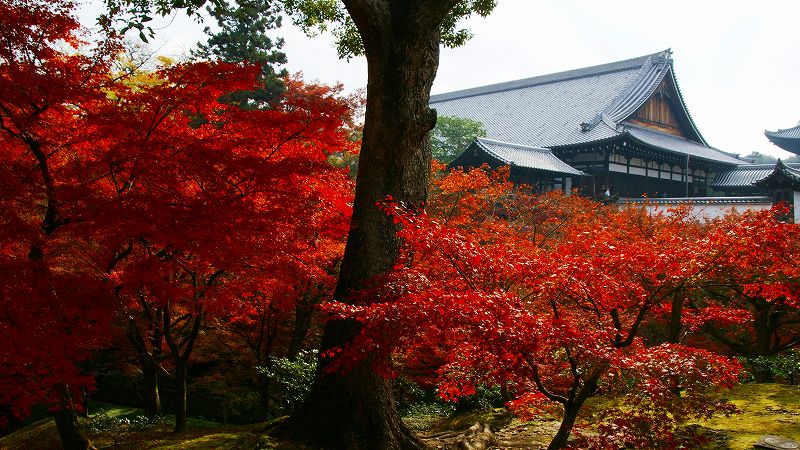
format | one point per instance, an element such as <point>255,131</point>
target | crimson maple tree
<point>151,199</point>
<point>53,309</point>
<point>547,299</point>
<point>213,203</point>
<point>749,302</point>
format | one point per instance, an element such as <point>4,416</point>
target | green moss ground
<point>766,409</point>
<point>203,434</point>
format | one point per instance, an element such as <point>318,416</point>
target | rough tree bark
<point>181,350</point>
<point>70,431</point>
<point>355,410</point>
<point>572,407</point>
<point>148,359</point>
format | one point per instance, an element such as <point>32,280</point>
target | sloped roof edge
<point>793,132</point>
<point>651,73</point>
<point>617,66</point>
<point>679,145</point>
<point>483,140</point>
<point>682,104</point>
<point>781,171</point>
<point>525,156</point>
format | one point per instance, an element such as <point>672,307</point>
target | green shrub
<point>292,379</point>
<point>121,429</point>
<point>783,366</point>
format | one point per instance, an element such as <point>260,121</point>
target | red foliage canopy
<point>547,295</point>
<point>116,191</point>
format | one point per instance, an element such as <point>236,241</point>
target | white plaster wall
<point>713,211</point>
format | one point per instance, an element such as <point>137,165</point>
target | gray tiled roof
<point>528,157</point>
<point>788,139</point>
<point>573,107</point>
<point>746,175</point>
<point>680,145</point>
<point>788,133</point>
<point>782,173</point>
<point>697,200</point>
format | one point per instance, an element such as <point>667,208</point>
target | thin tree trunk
<point>303,313</point>
<point>560,439</point>
<point>180,397</point>
<point>152,399</point>
<point>675,321</point>
<point>181,361</point>
<point>149,367</point>
<point>264,397</point>
<point>571,409</point>
<point>764,329</point>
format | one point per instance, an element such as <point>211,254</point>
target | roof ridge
<point>782,129</point>
<point>763,166</point>
<point>512,144</point>
<point>566,75</point>
<point>635,94</point>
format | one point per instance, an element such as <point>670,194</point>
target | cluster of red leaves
<point>119,194</point>
<point>750,303</point>
<point>51,306</point>
<point>549,295</point>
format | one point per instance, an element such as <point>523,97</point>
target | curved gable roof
<point>639,89</point>
<point>573,107</point>
<point>527,157</point>
<point>781,175</point>
<point>787,139</point>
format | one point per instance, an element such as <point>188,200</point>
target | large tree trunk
<point>70,431</point>
<point>355,410</point>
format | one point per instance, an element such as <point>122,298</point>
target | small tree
<point>750,300</point>
<point>451,136</point>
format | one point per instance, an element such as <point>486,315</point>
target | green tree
<point>400,40</point>
<point>762,158</point>
<point>243,36</point>
<point>452,135</point>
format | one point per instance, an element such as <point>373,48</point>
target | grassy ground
<point>203,434</point>
<point>766,409</point>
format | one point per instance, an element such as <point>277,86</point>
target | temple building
<point>774,183</point>
<point>621,127</point>
<point>788,139</point>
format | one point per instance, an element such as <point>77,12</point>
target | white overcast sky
<point>737,61</point>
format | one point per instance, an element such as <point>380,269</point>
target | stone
<point>478,437</point>
<point>777,443</point>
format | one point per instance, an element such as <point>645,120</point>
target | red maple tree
<point>550,305</point>
<point>749,302</point>
<point>153,200</point>
<point>211,203</point>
